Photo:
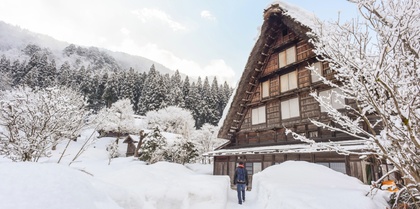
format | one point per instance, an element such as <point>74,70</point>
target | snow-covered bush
<point>172,119</point>
<point>119,118</point>
<point>32,122</point>
<point>112,149</point>
<point>182,151</point>
<point>153,147</point>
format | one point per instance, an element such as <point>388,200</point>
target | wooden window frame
<point>286,111</point>
<point>287,57</point>
<point>288,81</point>
<point>265,89</point>
<point>260,116</point>
<point>318,68</point>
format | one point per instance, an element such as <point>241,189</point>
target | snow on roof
<point>300,15</point>
<point>294,148</point>
<point>135,138</point>
<point>227,107</point>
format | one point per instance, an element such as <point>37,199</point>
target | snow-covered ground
<point>91,183</point>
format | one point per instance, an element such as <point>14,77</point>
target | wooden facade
<point>274,94</point>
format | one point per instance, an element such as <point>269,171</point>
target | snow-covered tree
<point>376,62</point>
<point>33,122</point>
<point>175,96</point>
<point>206,140</point>
<point>112,149</point>
<point>153,147</point>
<point>183,151</point>
<point>110,94</point>
<point>119,118</point>
<point>172,119</point>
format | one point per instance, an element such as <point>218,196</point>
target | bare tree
<point>375,62</point>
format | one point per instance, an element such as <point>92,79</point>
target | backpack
<point>241,176</point>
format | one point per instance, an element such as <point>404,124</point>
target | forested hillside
<point>39,61</point>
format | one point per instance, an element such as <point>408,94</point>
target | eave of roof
<point>351,145</point>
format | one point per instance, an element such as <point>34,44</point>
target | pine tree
<point>153,147</point>
<point>110,94</point>
<point>193,103</point>
<point>5,73</point>
<point>214,103</point>
<point>16,68</point>
<point>176,97</point>
<point>63,74</point>
<point>185,91</point>
<point>207,115</point>
<point>153,93</point>
<point>137,89</point>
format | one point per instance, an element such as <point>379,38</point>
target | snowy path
<point>233,200</point>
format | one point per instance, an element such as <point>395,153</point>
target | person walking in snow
<point>240,179</point>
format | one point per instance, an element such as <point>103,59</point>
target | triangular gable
<point>276,17</point>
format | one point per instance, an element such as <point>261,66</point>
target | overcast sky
<point>197,37</point>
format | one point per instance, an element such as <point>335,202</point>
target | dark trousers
<point>240,188</point>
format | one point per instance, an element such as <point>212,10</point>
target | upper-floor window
<point>288,81</point>
<point>316,76</point>
<point>287,56</point>
<point>290,108</point>
<point>333,99</point>
<point>258,115</point>
<point>265,86</point>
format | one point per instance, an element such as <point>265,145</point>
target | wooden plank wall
<point>272,64</point>
<point>303,50</point>
<point>273,114</point>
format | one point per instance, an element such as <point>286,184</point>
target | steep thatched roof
<point>275,17</point>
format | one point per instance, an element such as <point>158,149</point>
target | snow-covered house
<point>273,94</point>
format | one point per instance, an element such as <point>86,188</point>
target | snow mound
<point>298,184</point>
<point>50,186</point>
<point>169,185</point>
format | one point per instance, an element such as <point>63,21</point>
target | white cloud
<point>125,31</point>
<point>217,68</point>
<point>147,14</point>
<point>207,15</point>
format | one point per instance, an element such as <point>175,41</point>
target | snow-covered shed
<point>131,141</point>
<point>273,94</point>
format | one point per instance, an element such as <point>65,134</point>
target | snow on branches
<point>32,122</point>
<point>375,62</point>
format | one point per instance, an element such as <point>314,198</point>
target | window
<point>316,76</point>
<point>287,56</point>
<point>288,81</point>
<point>313,134</point>
<point>340,167</point>
<point>265,89</point>
<point>334,100</point>
<point>257,168</point>
<point>258,115</point>
<point>290,108</point>
<point>253,168</point>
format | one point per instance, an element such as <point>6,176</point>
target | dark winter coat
<point>235,178</point>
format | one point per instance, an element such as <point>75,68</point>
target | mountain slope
<point>14,40</point>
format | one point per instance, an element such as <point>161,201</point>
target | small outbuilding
<point>131,141</point>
